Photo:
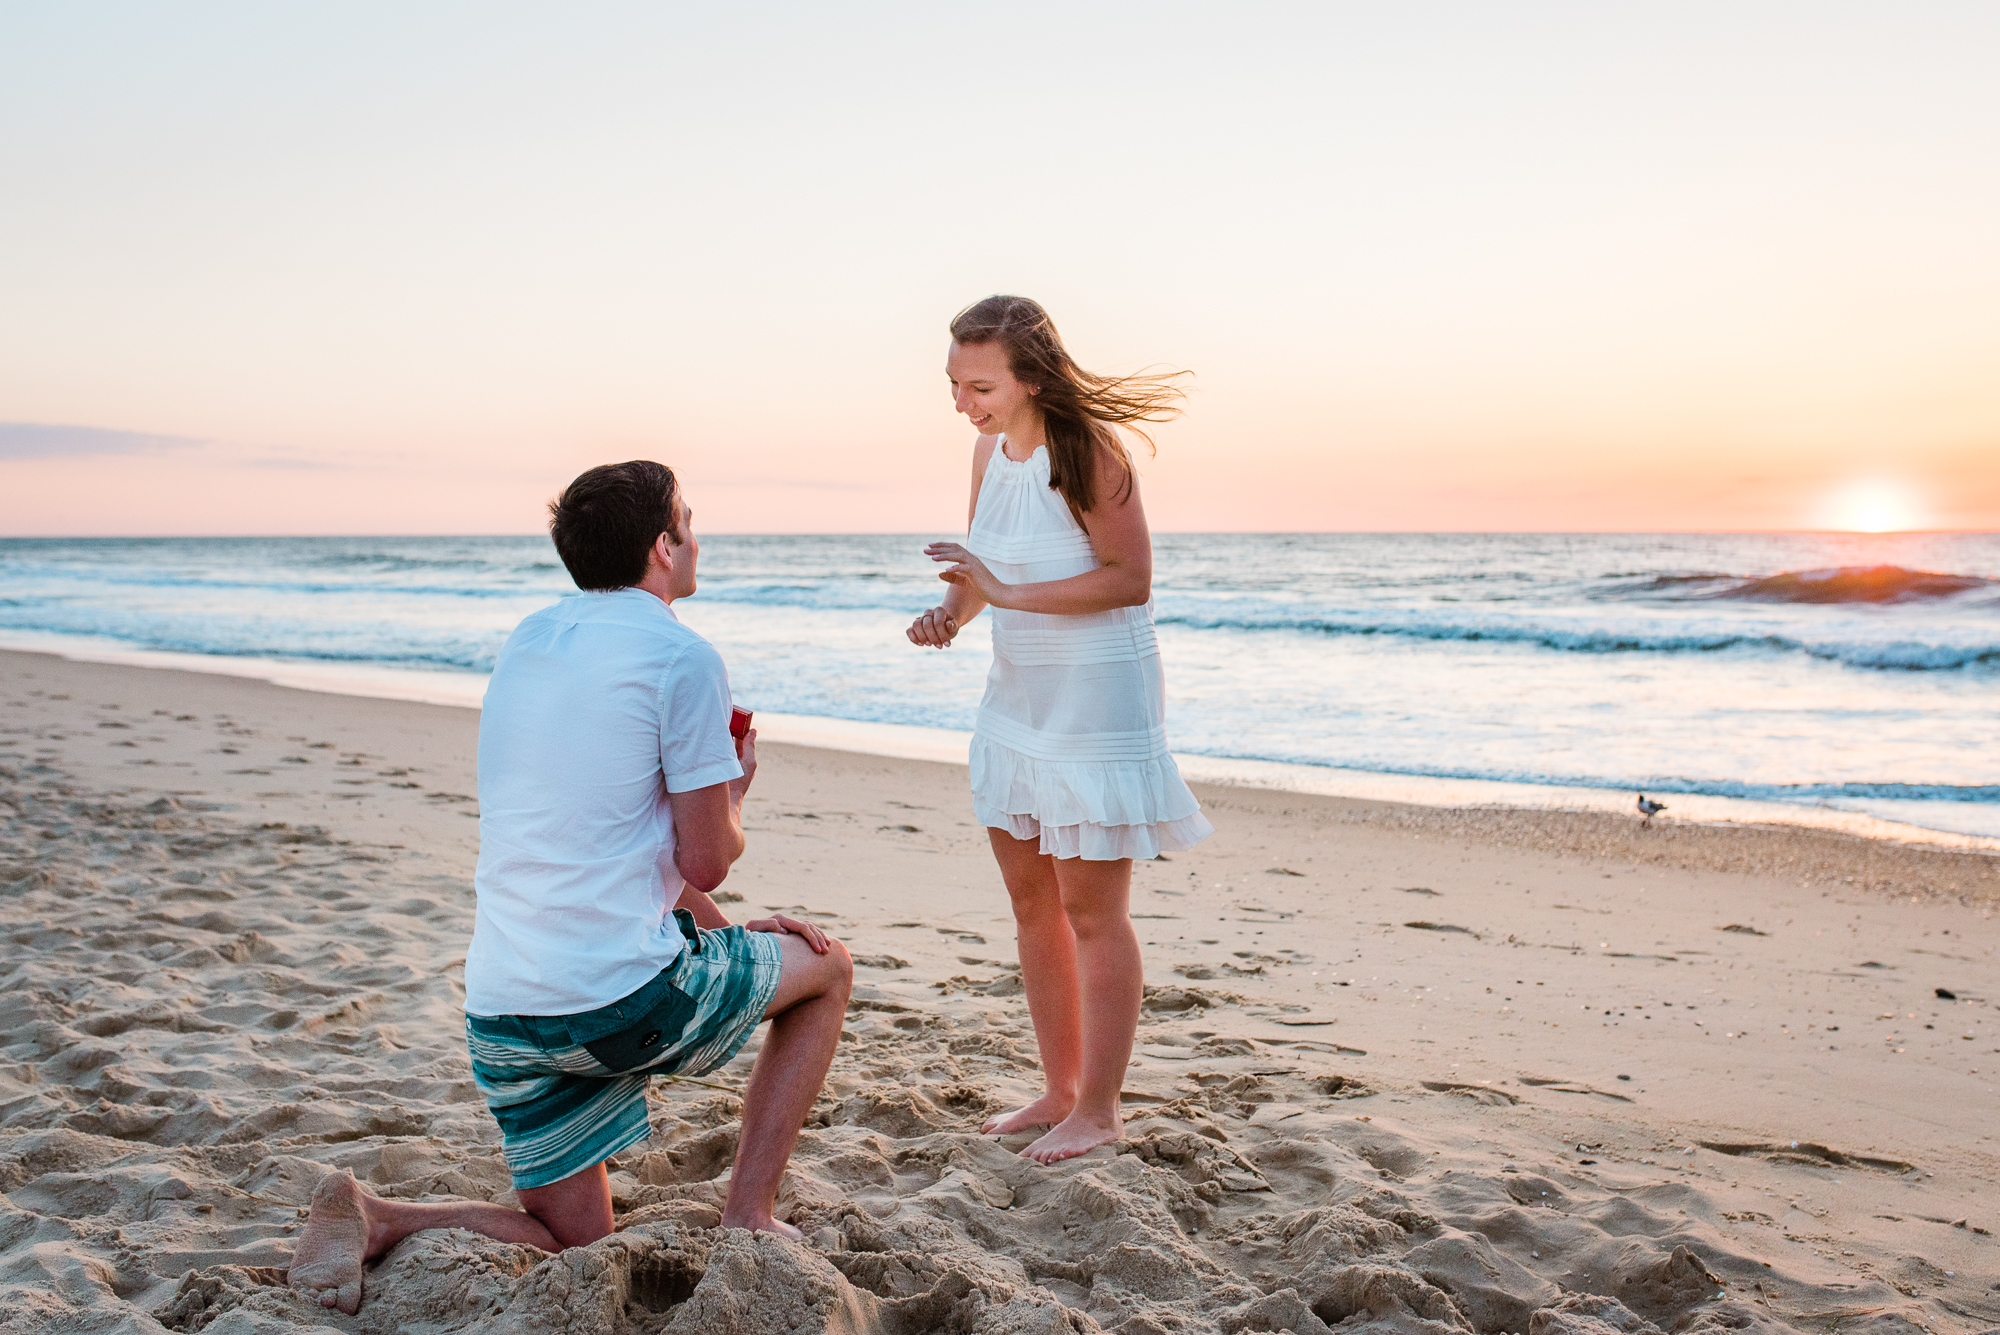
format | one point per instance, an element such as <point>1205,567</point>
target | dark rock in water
<point>1854,584</point>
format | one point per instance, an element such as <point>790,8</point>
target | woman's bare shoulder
<point>1115,464</point>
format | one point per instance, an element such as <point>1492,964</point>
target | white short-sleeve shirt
<point>599,707</point>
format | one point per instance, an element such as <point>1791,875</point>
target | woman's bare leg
<point>1048,971</point>
<point>1096,903</point>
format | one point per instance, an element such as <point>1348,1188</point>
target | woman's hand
<point>935,629</point>
<point>967,571</point>
<point>780,924</point>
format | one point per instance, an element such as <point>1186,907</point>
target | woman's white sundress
<point>1071,743</point>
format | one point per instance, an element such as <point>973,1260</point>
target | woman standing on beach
<point>1070,769</point>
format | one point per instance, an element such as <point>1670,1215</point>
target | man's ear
<point>662,553</point>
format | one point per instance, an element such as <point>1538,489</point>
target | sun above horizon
<point>1873,507</point>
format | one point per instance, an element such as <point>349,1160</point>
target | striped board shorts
<point>569,1091</point>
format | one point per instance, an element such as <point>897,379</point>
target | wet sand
<point>1402,1067</point>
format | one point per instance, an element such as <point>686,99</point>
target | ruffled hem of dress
<point>1101,810</point>
<point>1101,843</point>
<point>1078,792</point>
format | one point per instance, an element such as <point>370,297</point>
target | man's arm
<point>708,835</point>
<point>708,838</point>
<point>701,908</point>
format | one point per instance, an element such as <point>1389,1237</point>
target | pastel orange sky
<point>407,269</point>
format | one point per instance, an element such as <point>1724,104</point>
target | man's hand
<point>746,755</point>
<point>780,924</point>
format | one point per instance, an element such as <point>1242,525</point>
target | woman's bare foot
<point>1079,1133</point>
<point>1047,1110</point>
<point>328,1263</point>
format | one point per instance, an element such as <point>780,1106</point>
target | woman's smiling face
<point>984,388</point>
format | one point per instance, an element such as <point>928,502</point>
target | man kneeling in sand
<point>610,791</point>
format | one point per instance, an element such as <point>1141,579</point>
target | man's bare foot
<point>767,1224</point>
<point>1047,1110</point>
<point>1076,1134</point>
<point>328,1262</point>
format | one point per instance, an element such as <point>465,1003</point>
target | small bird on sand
<point>1649,808</point>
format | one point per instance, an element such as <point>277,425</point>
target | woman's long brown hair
<point>1078,407</point>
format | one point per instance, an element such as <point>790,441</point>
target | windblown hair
<point>607,520</point>
<point>1078,407</point>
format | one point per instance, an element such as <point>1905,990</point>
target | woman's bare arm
<point>1118,534</point>
<point>960,603</point>
<point>937,627</point>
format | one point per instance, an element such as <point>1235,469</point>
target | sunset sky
<point>406,268</point>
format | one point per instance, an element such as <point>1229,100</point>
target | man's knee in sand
<point>349,1227</point>
<point>807,975</point>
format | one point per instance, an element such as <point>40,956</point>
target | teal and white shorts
<point>569,1091</point>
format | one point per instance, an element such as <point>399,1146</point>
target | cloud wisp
<point>41,440</point>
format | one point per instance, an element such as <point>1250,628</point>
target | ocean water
<point>1847,671</point>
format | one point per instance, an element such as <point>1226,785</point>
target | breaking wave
<point>1887,655</point>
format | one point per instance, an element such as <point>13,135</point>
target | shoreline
<point>286,787</point>
<point>461,689</point>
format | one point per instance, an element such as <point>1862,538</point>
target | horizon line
<point>1189,532</point>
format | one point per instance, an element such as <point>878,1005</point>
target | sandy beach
<point>1400,1068</point>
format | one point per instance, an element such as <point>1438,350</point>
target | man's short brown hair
<point>606,521</point>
